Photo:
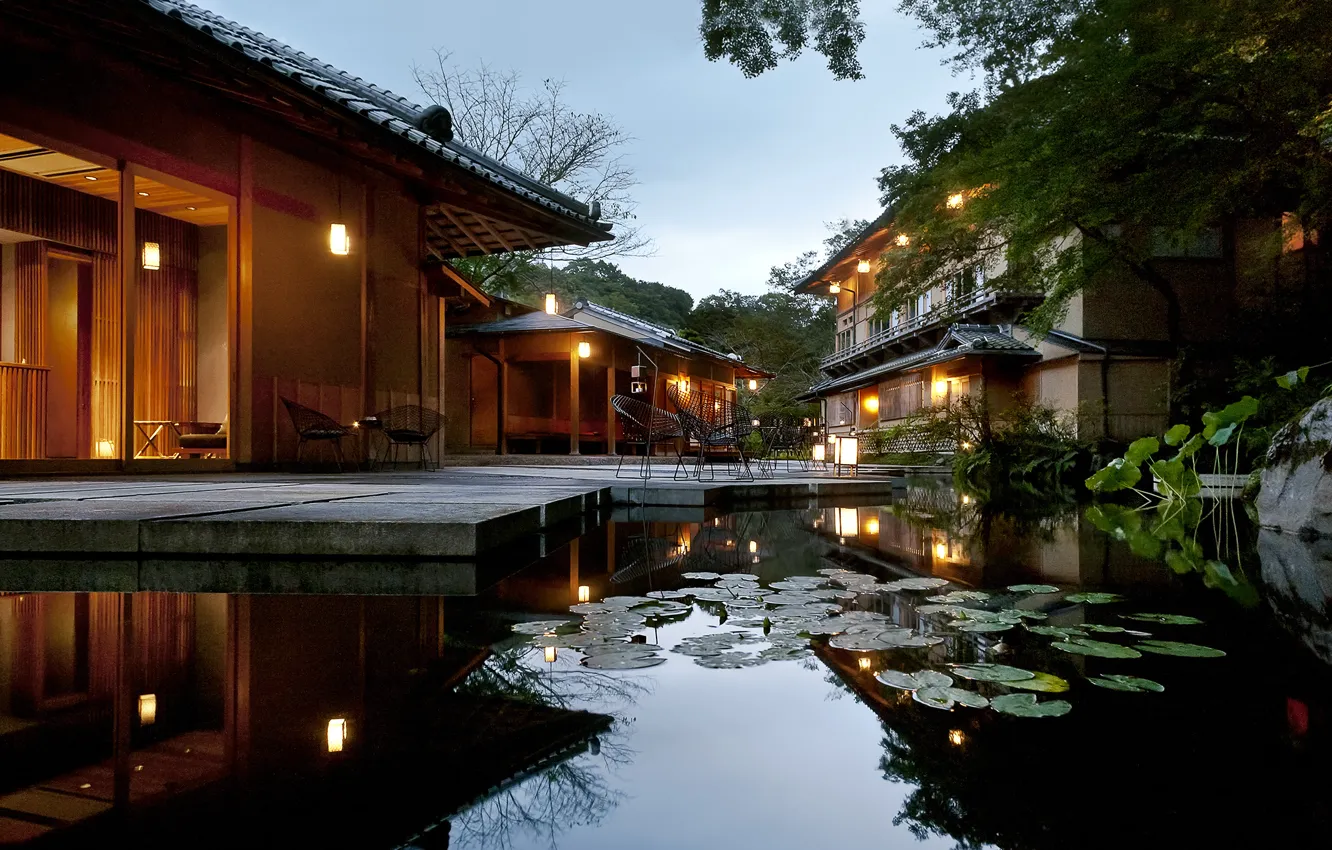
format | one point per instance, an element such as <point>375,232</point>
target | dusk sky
<point>736,175</point>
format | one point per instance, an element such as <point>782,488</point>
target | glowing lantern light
<point>955,737</point>
<point>338,240</point>
<point>584,593</point>
<point>152,256</point>
<point>753,385</point>
<point>550,655</point>
<point>834,288</point>
<point>956,201</point>
<point>147,709</point>
<point>903,240</point>
<point>865,663</point>
<point>753,546</point>
<point>941,550</point>
<point>106,448</point>
<point>872,404</point>
<point>848,522</point>
<point>584,349</point>
<point>966,500</point>
<point>863,266</point>
<point>820,453</point>
<point>872,525</point>
<point>337,734</point>
<point>551,307</point>
<point>847,453</point>
<point>941,388</point>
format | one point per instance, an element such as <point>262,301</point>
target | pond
<point>919,674</point>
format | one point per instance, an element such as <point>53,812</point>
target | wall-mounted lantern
<point>584,349</point>
<point>152,256</point>
<point>863,266</point>
<point>337,734</point>
<point>338,240</point>
<point>147,709</point>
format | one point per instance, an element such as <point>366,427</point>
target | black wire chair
<point>410,425</point>
<point>785,441</point>
<point>713,424</point>
<point>312,427</point>
<point>645,426</point>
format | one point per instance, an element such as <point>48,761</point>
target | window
<point>878,325</point>
<point>963,283</point>
<point>1205,244</point>
<point>900,397</point>
<point>845,339</point>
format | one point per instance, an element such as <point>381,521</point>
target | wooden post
<point>124,708</point>
<point>610,411</point>
<point>129,307</point>
<point>240,442</point>
<point>575,414</point>
<point>573,571</point>
<point>502,415</point>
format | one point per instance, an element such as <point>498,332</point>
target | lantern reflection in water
<point>848,522</point>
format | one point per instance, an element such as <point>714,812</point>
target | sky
<point>736,175</point>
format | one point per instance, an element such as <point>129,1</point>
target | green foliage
<point>754,35</point>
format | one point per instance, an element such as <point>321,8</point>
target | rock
<point>1296,494</point>
<point>1297,577</point>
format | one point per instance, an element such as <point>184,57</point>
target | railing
<point>906,327</point>
<point>22,411</point>
<point>1131,426</point>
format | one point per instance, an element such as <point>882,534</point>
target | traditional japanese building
<point>1108,364</point>
<point>198,221</point>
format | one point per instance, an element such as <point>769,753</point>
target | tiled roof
<point>372,103</point>
<point>668,337</point>
<point>960,341</point>
<point>526,323</point>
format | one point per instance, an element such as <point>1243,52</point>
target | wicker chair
<point>410,425</point>
<point>713,424</point>
<point>646,426</point>
<point>313,426</point>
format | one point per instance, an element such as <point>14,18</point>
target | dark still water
<point>923,674</point>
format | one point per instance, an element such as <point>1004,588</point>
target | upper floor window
<point>845,339</point>
<point>877,325</point>
<point>963,283</point>
<point>1205,244</point>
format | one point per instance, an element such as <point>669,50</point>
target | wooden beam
<point>485,222</point>
<point>610,393</point>
<point>442,234</point>
<point>129,309</point>
<point>467,286</point>
<point>241,439</point>
<point>464,229</point>
<point>501,431</point>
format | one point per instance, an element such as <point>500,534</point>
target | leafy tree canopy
<point>755,35</point>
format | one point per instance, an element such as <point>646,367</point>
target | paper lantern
<point>551,653</point>
<point>551,307</point>
<point>863,266</point>
<point>106,448</point>
<point>834,288</point>
<point>753,385</point>
<point>338,240</point>
<point>337,734</point>
<point>152,256</point>
<point>584,349</point>
<point>584,593</point>
<point>147,709</point>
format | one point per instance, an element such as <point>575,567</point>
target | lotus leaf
<point>1033,588</point>
<point>626,601</point>
<point>620,646</point>
<point>1141,449</point>
<point>1023,613</point>
<point>740,577</point>
<point>1026,705</point>
<point>1220,425</point>
<point>972,626</point>
<point>785,653</point>
<point>833,571</point>
<point>1094,598</point>
<point>540,627</point>
<point>1164,619</point>
<point>915,584</point>
<point>1099,649</point>
<point>667,594</point>
<point>863,642</point>
<point>1117,475</point>
<point>572,641</point>
<point>934,698</point>
<point>899,680</point>
<point>933,679</point>
<point>1133,684</point>
<point>1104,629</point>
<point>1183,650</point>
<point>1177,434</point>
<point>993,673</point>
<point>1046,683</point>
<point>729,660</point>
<point>700,576</point>
<point>951,610</point>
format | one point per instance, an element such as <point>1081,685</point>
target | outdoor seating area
<point>389,433</point>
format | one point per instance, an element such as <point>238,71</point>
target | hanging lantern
<point>863,266</point>
<point>637,387</point>
<point>753,385</point>
<point>338,240</point>
<point>834,288</point>
<point>551,307</point>
<point>584,349</point>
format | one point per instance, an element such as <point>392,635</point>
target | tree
<point>1152,115</point>
<point>604,283</point>
<point>538,133</point>
<point>755,35</point>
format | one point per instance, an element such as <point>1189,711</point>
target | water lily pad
<point>731,578</point>
<point>898,679</point>
<point>1183,650</point>
<point>1133,684</point>
<point>1046,683</point>
<point>622,661</point>
<point>620,646</point>
<point>906,639</point>
<point>667,594</point>
<point>943,697</point>
<point>993,673</point>
<point>1097,648</point>
<point>1033,588</point>
<point>1057,631</point>
<point>1026,705</point>
<point>859,642</point>
<point>785,653</point>
<point>832,571</point>
<point>1104,629</point>
<point>951,610</point>
<point>1164,619</point>
<point>981,626</point>
<point>540,627</point>
<point>625,601</point>
<point>1024,614</point>
<point>790,597</point>
<point>960,596</point>
<point>571,641</point>
<point>915,584</point>
<point>700,576</point>
<point>1094,598</point>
